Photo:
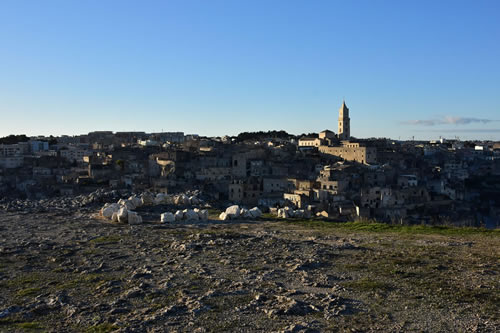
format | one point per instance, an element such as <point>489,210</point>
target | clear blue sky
<point>405,68</point>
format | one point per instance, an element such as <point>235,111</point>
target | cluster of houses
<point>342,177</point>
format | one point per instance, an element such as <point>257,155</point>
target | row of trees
<point>13,139</point>
<point>263,135</point>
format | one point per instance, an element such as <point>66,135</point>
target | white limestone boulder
<point>122,215</point>
<point>233,212</point>
<point>194,200</point>
<point>190,215</point>
<point>135,200</point>
<point>159,199</point>
<point>255,212</point>
<point>244,213</point>
<point>322,214</point>
<point>108,210</point>
<point>167,217</point>
<point>114,217</point>
<point>223,217</point>
<point>178,215</point>
<point>106,205</point>
<point>184,199</point>
<point>203,214</point>
<point>134,218</point>
<point>127,204</point>
<point>181,200</point>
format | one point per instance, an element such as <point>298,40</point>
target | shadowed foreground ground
<point>66,273</point>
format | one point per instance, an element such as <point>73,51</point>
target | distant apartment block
<point>38,146</point>
<point>173,137</point>
<point>73,154</point>
<point>17,149</point>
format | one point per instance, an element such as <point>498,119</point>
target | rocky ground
<point>71,272</point>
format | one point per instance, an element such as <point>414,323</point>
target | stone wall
<point>365,155</point>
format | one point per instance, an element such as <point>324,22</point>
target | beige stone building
<point>347,150</point>
<point>344,122</point>
<point>327,134</point>
<point>352,151</point>
<point>310,142</point>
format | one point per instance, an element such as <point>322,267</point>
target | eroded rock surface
<point>72,272</point>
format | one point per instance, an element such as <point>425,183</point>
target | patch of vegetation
<point>404,229</point>
<point>28,292</point>
<point>106,239</point>
<point>444,288</point>
<point>366,284</point>
<point>214,211</point>
<point>90,251</point>
<point>24,280</point>
<point>102,328</point>
<point>356,266</point>
<point>29,325</point>
<point>86,280</point>
<point>268,216</point>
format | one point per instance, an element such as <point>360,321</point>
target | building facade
<point>364,155</point>
<point>344,123</point>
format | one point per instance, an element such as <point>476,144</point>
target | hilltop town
<point>327,173</point>
<point>265,231</point>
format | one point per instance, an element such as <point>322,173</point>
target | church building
<point>344,123</point>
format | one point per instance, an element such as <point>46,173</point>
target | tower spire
<point>344,122</point>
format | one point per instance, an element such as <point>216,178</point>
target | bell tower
<point>344,123</point>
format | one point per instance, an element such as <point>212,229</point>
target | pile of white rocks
<point>287,212</point>
<point>237,213</point>
<point>178,199</point>
<point>121,212</point>
<point>187,215</point>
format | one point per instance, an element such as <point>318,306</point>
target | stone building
<point>327,134</point>
<point>351,151</point>
<point>310,142</point>
<point>347,150</point>
<point>247,191</point>
<point>344,123</point>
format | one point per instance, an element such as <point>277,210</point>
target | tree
<point>244,136</point>
<point>13,139</point>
